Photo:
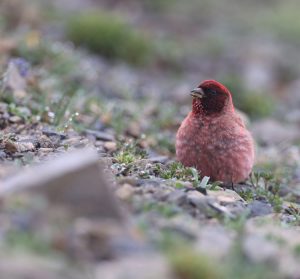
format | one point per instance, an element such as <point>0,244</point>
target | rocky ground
<point>90,186</point>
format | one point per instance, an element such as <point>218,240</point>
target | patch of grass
<point>129,153</point>
<point>283,21</point>
<point>166,210</point>
<point>255,104</point>
<point>19,111</point>
<point>107,35</point>
<point>187,264</point>
<point>297,251</point>
<point>266,185</point>
<point>56,57</point>
<point>54,89</point>
<point>247,195</point>
<point>27,241</point>
<point>176,170</point>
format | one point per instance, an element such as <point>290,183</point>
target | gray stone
<point>15,119</point>
<point>238,208</point>
<point>125,192</point>
<point>100,135</point>
<point>50,133</point>
<point>159,159</point>
<point>225,197</point>
<point>13,79</point>
<point>74,179</point>
<point>220,209</point>
<point>197,199</point>
<point>177,196</point>
<point>110,146</point>
<point>259,208</point>
<point>13,147</point>
<point>206,204</point>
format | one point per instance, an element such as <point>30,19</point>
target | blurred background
<point>251,47</point>
<point>116,75</point>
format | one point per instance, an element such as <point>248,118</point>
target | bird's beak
<point>197,92</point>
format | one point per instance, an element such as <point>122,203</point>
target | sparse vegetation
<point>254,104</point>
<point>188,264</point>
<point>61,97</point>
<point>108,35</point>
<point>175,170</point>
<point>283,21</point>
<point>129,153</point>
<point>297,250</point>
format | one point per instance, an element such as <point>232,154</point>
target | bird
<point>213,138</point>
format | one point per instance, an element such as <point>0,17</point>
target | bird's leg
<point>232,185</point>
<point>227,185</point>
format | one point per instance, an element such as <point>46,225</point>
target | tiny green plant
<point>196,177</point>
<point>178,171</point>
<point>129,153</point>
<point>204,182</point>
<point>267,186</point>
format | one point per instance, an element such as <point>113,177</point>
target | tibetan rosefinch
<point>213,138</point>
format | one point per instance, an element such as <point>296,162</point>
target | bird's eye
<point>213,92</point>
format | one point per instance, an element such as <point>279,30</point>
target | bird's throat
<point>197,107</point>
<point>209,106</point>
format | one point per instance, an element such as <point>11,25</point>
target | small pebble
<point>110,146</point>
<point>125,192</point>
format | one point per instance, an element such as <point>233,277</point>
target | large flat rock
<point>75,179</point>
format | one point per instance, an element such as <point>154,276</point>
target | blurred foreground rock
<point>266,242</point>
<point>151,266</point>
<point>26,266</point>
<point>215,240</point>
<point>74,180</point>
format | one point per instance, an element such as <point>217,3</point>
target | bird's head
<point>211,97</point>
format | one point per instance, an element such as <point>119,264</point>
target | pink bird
<point>213,138</point>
